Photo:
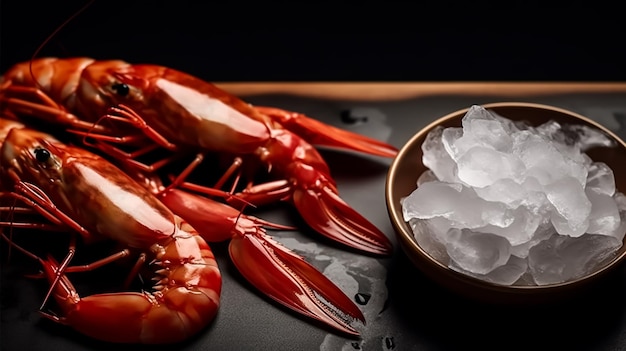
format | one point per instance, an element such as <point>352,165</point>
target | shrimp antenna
<point>10,241</point>
<point>18,247</point>
<point>47,40</point>
<point>243,207</point>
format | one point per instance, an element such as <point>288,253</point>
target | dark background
<point>313,41</point>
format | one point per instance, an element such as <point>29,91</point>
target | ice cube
<point>450,141</point>
<point>436,158</point>
<point>506,191</point>
<point>475,252</point>
<point>588,137</point>
<point>480,167</point>
<point>430,200</point>
<point>489,132</point>
<point>535,200</point>
<point>545,162</point>
<point>439,227</point>
<point>600,177</point>
<point>604,217</point>
<point>456,203</point>
<point>427,241</point>
<point>521,229</point>
<point>426,176</point>
<point>510,126</point>
<point>572,207</point>
<point>548,129</point>
<point>576,136</point>
<point>506,274</point>
<point>562,258</point>
<point>544,231</point>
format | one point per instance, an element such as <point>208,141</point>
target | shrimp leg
<point>24,100</point>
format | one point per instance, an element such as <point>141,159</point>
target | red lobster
<point>180,112</point>
<point>269,266</point>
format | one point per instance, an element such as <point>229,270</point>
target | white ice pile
<point>514,204</point>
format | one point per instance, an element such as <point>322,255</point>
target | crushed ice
<point>514,204</point>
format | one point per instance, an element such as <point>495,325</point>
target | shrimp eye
<point>121,89</point>
<point>42,155</point>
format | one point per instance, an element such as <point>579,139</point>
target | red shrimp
<point>89,195</point>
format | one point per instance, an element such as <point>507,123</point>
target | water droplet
<point>389,343</point>
<point>362,298</point>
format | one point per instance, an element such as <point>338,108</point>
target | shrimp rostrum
<point>177,111</point>
<point>78,190</point>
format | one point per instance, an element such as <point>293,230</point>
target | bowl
<point>407,166</point>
